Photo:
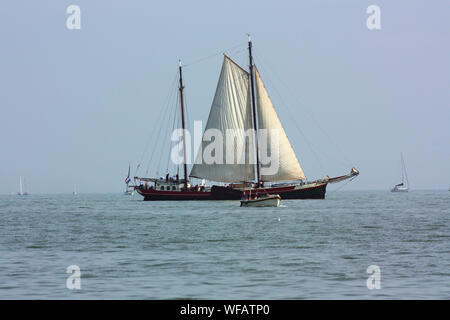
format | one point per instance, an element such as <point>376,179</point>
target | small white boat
<point>272,200</point>
<point>20,193</point>
<point>402,187</point>
<point>129,191</point>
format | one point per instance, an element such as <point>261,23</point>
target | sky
<point>77,106</point>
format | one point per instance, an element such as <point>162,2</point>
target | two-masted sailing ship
<point>241,102</point>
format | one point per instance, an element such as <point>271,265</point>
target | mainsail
<point>230,112</point>
<point>289,168</point>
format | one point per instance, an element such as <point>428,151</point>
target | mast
<point>128,176</point>
<point>183,125</point>
<point>255,124</point>
<point>404,170</point>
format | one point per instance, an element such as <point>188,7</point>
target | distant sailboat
<point>20,193</point>
<point>75,190</point>
<point>25,193</point>
<point>22,188</point>
<point>129,191</point>
<point>402,187</point>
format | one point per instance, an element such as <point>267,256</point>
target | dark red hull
<point>157,195</point>
<point>316,191</point>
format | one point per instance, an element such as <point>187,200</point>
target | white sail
<point>230,111</point>
<point>404,171</point>
<point>20,186</point>
<point>402,187</point>
<point>289,166</point>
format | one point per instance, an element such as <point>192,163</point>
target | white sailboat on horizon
<point>402,187</point>
<point>22,187</point>
<point>129,191</point>
<point>20,193</point>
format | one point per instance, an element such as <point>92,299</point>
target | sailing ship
<point>402,187</point>
<point>129,190</point>
<point>75,190</point>
<point>241,103</point>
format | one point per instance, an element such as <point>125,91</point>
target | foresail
<point>230,113</point>
<point>289,167</point>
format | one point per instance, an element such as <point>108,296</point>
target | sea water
<point>125,248</point>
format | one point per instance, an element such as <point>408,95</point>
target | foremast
<point>183,126</point>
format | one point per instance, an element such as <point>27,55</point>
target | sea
<point>352,245</point>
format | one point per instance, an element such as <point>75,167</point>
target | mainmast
<point>183,126</point>
<point>255,124</point>
<point>403,168</point>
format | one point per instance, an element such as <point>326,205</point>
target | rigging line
<point>235,52</point>
<point>341,186</point>
<point>312,117</point>
<point>404,170</point>
<point>291,116</point>
<point>213,55</point>
<point>155,127</point>
<point>344,161</point>
<point>157,141</point>
<point>317,123</point>
<point>172,110</point>
<point>188,126</point>
<point>186,111</point>
<point>151,134</point>
<point>170,136</point>
<point>161,126</point>
<point>179,142</point>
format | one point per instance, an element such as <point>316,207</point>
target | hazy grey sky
<point>78,105</point>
